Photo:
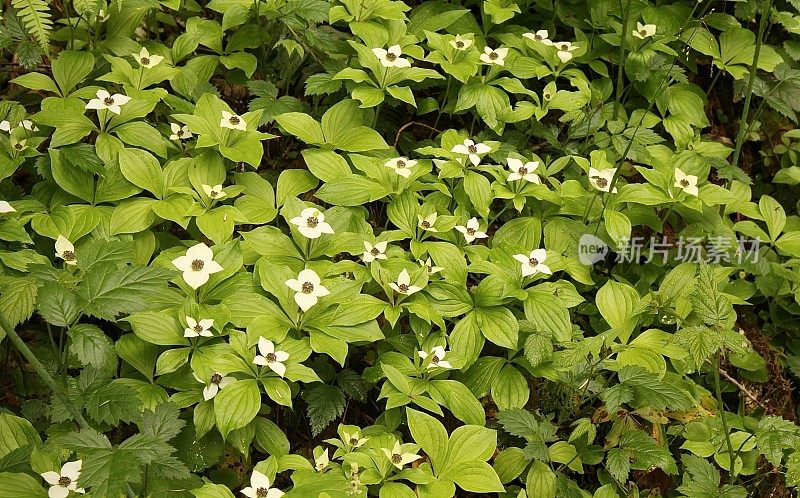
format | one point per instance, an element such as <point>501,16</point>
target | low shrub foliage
<point>320,249</point>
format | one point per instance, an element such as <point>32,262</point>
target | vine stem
<point>743,128</point>
<point>31,358</point>
<point>718,392</point>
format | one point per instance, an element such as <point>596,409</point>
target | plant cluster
<point>323,249</point>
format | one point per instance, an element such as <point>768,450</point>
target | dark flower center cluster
<point>234,120</point>
<point>435,359</point>
<point>472,149</point>
<point>403,287</point>
<point>198,264</point>
<point>271,357</point>
<point>198,328</point>
<point>643,32</point>
<point>262,492</point>
<point>397,458</point>
<point>68,256</point>
<point>145,61</point>
<point>459,44</point>
<point>312,221</point>
<point>216,379</point>
<point>426,224</point>
<point>601,182</point>
<point>684,183</point>
<point>64,481</point>
<point>307,288</point>
<point>401,164</point>
<point>493,56</point>
<point>470,231</point>
<point>108,101</point>
<point>533,261</point>
<point>375,251</point>
<point>353,440</point>
<point>390,57</point>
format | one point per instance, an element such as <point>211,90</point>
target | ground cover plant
<point>398,249</point>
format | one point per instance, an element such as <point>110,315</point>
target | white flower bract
<point>403,284</point>
<point>564,50</point>
<point>461,43</point>
<point>179,132</point>
<point>232,121</point>
<point>601,179</point>
<point>533,263</point>
<point>391,57</point>
<point>214,192</point>
<point>146,60</point>
<point>5,207</point>
<point>497,56</point>
<point>541,36</point>
<point>107,101</point>
<point>428,265</point>
<point>401,165</point>
<point>215,384</point>
<point>197,265</point>
<point>198,328</point>
<point>470,231</point>
<point>398,457</point>
<point>61,483</point>
<point>520,171</point>
<point>643,31</point>
<point>268,357</point>
<point>472,150</point>
<point>427,223</point>
<point>436,358</point>
<point>65,250</point>
<point>371,253</point>
<point>311,223</point>
<point>308,289</point>
<point>259,487</point>
<point>687,183</point>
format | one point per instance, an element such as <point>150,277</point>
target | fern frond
<point>35,15</point>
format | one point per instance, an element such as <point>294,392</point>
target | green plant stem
<point>718,392</point>
<point>43,373</point>
<point>743,128</point>
<point>620,68</point>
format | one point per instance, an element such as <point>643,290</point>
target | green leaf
<point>92,346</point>
<point>541,481</point>
<point>17,299</point>
<point>237,405</point>
<point>549,315</point>
<point>430,434</point>
<point>498,325</point>
<point>325,404</point>
<point>617,302</point>
<point>142,169</point>
<point>108,290</point>
<point>21,485</point>
<point>57,304</point>
<point>71,67</point>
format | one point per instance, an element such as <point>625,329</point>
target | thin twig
<point>409,125</point>
<point>744,390</point>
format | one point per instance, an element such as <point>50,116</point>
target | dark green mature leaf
<point>57,304</point>
<point>163,422</point>
<point>17,299</point>
<point>112,403</point>
<point>651,391</point>
<point>109,290</point>
<point>92,346</point>
<point>708,302</point>
<point>325,404</point>
<point>518,422</point>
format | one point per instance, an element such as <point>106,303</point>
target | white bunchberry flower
<point>428,265</point>
<point>5,207</point>
<point>311,223</point>
<point>472,150</point>
<point>105,100</point>
<point>371,253</point>
<point>259,487</point>
<point>461,43</point>
<point>436,358</point>
<point>391,57</point>
<point>5,126</point>
<point>471,231</point>
<point>398,457</point>
<point>403,284</point>
<point>232,121</point>
<point>601,179</point>
<point>197,328</point>
<point>18,145</point>
<point>401,165</point>
<point>687,183</point>
<point>497,56</point>
<point>214,192</point>
<point>307,289</point>
<point>179,132</point>
<point>354,440</point>
<point>61,483</point>
<point>564,50</point>
<point>643,31</point>
<point>215,385</point>
<point>28,125</point>
<point>427,223</point>
<point>146,60</point>
<point>322,461</point>
<point>520,171</point>
<point>65,250</point>
<point>268,357</point>
<point>533,263</point>
<point>541,36</point>
<point>102,16</point>
<point>197,265</point>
